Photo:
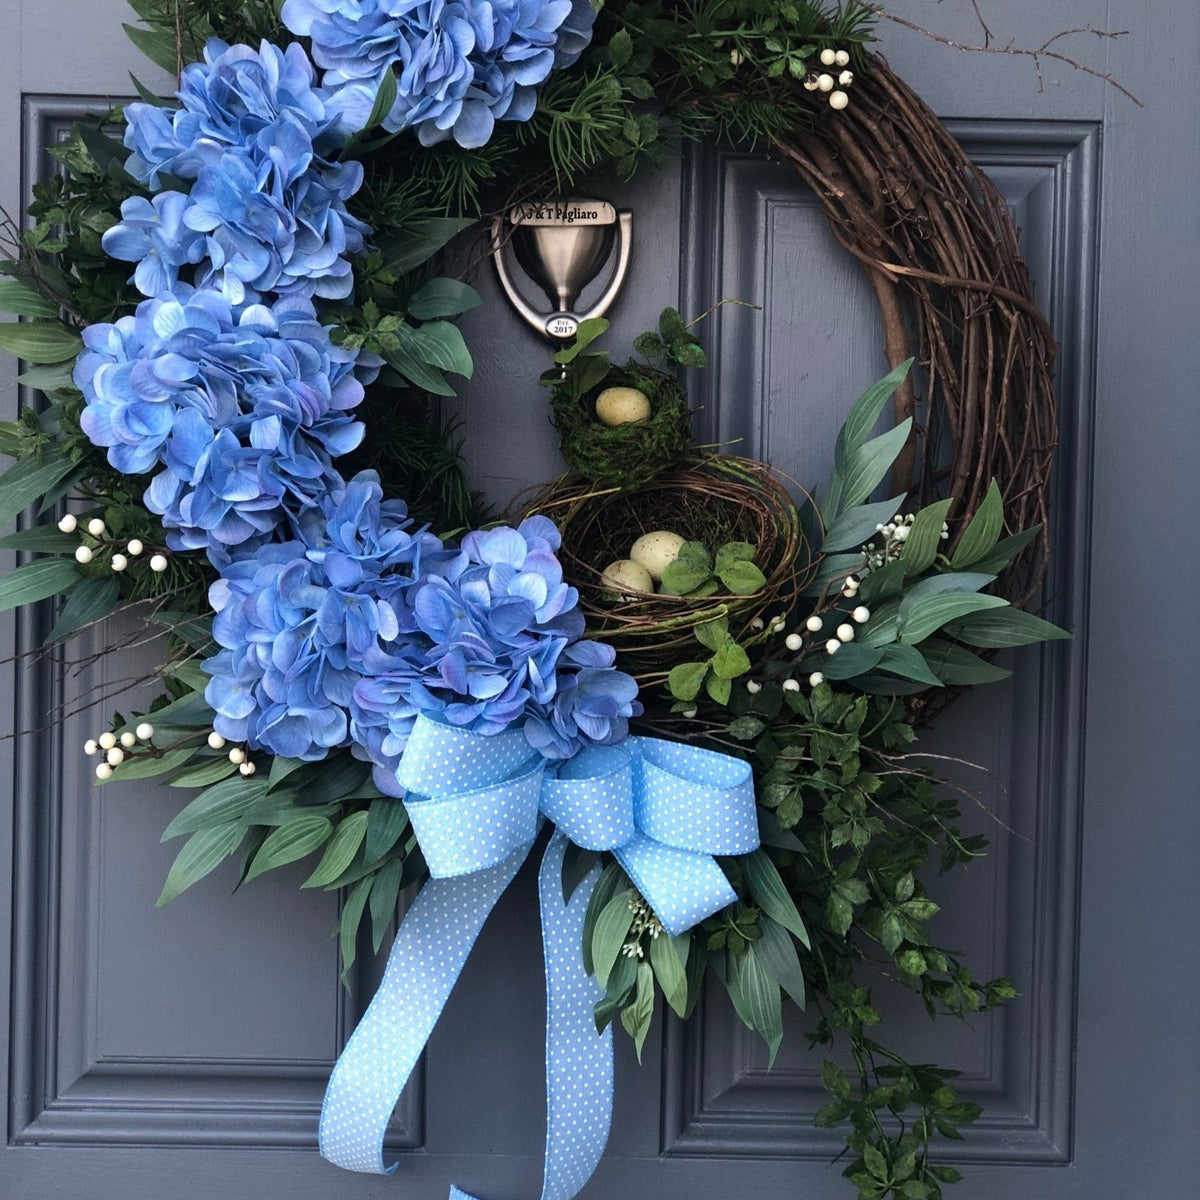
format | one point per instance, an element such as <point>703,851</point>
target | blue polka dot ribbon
<point>476,802</point>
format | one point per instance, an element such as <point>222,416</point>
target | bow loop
<point>590,797</point>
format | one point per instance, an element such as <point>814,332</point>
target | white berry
<point>247,768</point>
<point>810,84</point>
<point>128,740</point>
<point>158,563</point>
<point>861,614</point>
<point>145,731</point>
<point>216,741</point>
<point>825,83</point>
<point>845,633</point>
<point>119,562</point>
<point>107,741</point>
<point>846,78</point>
<point>815,679</point>
<point>813,624</point>
<point>794,641</point>
<point>237,755</point>
<point>753,687</point>
<point>83,555</point>
<point>790,685</point>
<point>757,624</point>
<point>116,756</point>
<point>135,547</point>
<point>842,58</point>
<point>68,524</point>
<point>688,713</point>
<point>832,646</point>
<point>838,100</point>
<point>104,771</point>
<point>96,527</point>
<point>828,57</point>
<point>735,57</point>
<point>91,746</point>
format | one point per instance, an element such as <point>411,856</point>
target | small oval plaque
<point>562,326</point>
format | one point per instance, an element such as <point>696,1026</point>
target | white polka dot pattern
<point>664,809</point>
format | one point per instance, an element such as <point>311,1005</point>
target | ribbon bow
<point>476,803</point>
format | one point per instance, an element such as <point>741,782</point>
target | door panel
<point>183,1051</point>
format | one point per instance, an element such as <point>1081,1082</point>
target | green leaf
<point>385,97</point>
<point>957,666</point>
<point>612,928</point>
<point>668,957</point>
<point>684,681</point>
<point>54,377</point>
<point>441,344</point>
<point>742,578</point>
<point>746,728</point>
<point>1004,627</point>
<point>348,922</point>
<point>770,893</point>
<point>387,819</point>
<point>146,94</point>
<point>40,341</point>
<point>718,689</point>
<point>202,853</point>
<point>762,1000</point>
<point>712,635</point>
<point>340,852</point>
<point>850,660</point>
<point>909,663</point>
<point>688,571</point>
<point>308,832</point>
<point>158,47</point>
<point>421,241</point>
<point>23,300</point>
<point>29,480</point>
<point>638,1016</point>
<point>735,552</point>
<point>385,892</point>
<point>620,49</point>
<point>589,330</point>
<point>730,661</point>
<point>858,525</point>
<point>867,466</point>
<point>777,953</point>
<point>225,802</point>
<point>333,778</point>
<point>147,766</point>
<point>1007,550</point>
<point>983,532</point>
<point>209,771</point>
<point>859,422</point>
<point>42,539</point>
<point>89,600</point>
<point>443,298</point>
<point>925,538</point>
<point>37,581</point>
<point>612,880</point>
<point>923,615</point>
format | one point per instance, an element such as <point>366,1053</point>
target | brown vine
<point>940,250</point>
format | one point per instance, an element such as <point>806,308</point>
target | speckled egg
<point>622,406</point>
<point>657,551</point>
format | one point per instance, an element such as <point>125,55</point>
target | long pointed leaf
<point>37,581</point>
<point>201,854</point>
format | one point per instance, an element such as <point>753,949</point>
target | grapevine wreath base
<point>217,304</point>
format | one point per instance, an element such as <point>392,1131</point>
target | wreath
<point>224,294</point>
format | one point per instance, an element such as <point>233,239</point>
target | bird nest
<point>624,455</point>
<point>715,500</point>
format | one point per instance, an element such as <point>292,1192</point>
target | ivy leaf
<point>834,1081</point>
<point>734,552</point>
<point>746,729</point>
<point>718,689</point>
<point>712,635</point>
<point>742,578</point>
<point>730,661</point>
<point>620,49</point>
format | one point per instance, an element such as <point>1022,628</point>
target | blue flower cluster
<point>461,65</point>
<point>345,636</point>
<point>266,209</point>
<point>243,408</point>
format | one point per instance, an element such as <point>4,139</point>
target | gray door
<point>183,1052</point>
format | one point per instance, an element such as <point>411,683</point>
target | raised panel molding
<point>63,1088</point>
<point>719,1100</point>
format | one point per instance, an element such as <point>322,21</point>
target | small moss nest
<point>714,499</point>
<point>624,455</point>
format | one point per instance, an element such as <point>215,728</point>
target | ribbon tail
<point>431,947</point>
<point>579,1061</point>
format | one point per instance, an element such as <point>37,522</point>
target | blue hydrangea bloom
<point>253,139</point>
<point>243,408</point>
<point>461,65</point>
<point>299,622</point>
<point>152,234</point>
